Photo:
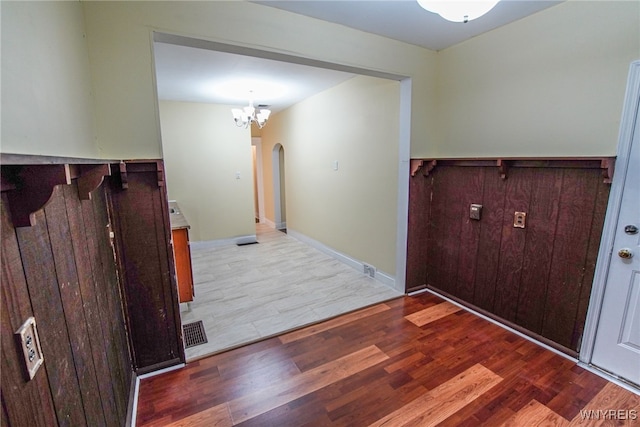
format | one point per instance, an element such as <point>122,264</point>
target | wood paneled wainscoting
<point>93,267</point>
<point>536,279</point>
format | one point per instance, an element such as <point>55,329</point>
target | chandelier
<point>458,10</point>
<point>244,117</point>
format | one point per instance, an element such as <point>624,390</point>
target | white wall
<point>551,84</point>
<point>46,89</point>
<point>353,209</point>
<point>204,150</point>
<point>120,42</point>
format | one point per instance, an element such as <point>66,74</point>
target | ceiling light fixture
<point>244,117</point>
<point>458,10</point>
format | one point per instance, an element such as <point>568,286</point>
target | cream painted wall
<point>352,210</point>
<point>203,152</point>
<point>547,85</point>
<point>120,43</point>
<point>551,84</point>
<point>46,88</point>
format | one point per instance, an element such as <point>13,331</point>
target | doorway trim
<point>404,141</point>
<point>257,142</point>
<point>625,139</point>
<point>277,185</point>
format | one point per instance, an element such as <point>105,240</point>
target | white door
<point>617,342</point>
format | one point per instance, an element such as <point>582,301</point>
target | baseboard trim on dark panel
<point>415,289</point>
<point>132,407</point>
<point>158,366</point>
<point>518,330</point>
<point>132,411</point>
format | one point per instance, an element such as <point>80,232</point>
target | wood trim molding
<point>416,164</point>
<point>139,166</point>
<point>32,189</point>
<point>123,175</point>
<point>29,181</point>
<point>503,167</point>
<point>607,164</point>
<point>91,177</point>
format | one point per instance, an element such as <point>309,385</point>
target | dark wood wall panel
<point>568,265</point>
<point>140,214</point>
<point>517,194</point>
<point>471,185</point>
<point>418,217</point>
<point>53,270</point>
<point>109,349</point>
<point>109,298</point>
<point>541,228</point>
<point>74,307</point>
<point>24,403</point>
<point>86,250</point>
<point>489,240</point>
<point>40,270</point>
<point>597,226</point>
<point>537,278</point>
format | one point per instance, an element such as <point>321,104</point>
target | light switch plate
<point>27,339</point>
<point>475,211</point>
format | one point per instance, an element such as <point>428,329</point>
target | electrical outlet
<point>519,219</point>
<point>369,270</point>
<point>27,339</point>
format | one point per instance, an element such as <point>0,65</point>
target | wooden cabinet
<point>182,255</point>
<point>181,252</point>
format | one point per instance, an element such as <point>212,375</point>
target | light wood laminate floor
<point>247,293</point>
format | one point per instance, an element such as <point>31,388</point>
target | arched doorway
<point>279,196</point>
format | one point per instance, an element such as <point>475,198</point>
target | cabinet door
<point>182,256</point>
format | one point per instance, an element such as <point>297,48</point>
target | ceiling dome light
<point>458,10</point>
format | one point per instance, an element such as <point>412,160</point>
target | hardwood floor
<point>412,361</point>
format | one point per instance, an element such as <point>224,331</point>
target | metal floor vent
<point>194,334</point>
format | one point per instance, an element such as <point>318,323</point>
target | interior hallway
<point>247,293</point>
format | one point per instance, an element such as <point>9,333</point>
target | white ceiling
<point>199,75</point>
<point>406,21</point>
<point>196,74</point>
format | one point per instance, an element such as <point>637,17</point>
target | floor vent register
<point>194,334</point>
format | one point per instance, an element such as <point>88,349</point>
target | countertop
<point>176,217</point>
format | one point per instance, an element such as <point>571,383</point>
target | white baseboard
<point>380,276</point>
<point>583,365</point>
<point>497,323</point>
<point>132,407</point>
<point>132,413</point>
<point>239,240</point>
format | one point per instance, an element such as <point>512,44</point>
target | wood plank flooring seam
<point>443,401</point>
<point>384,370</point>
<point>261,401</point>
